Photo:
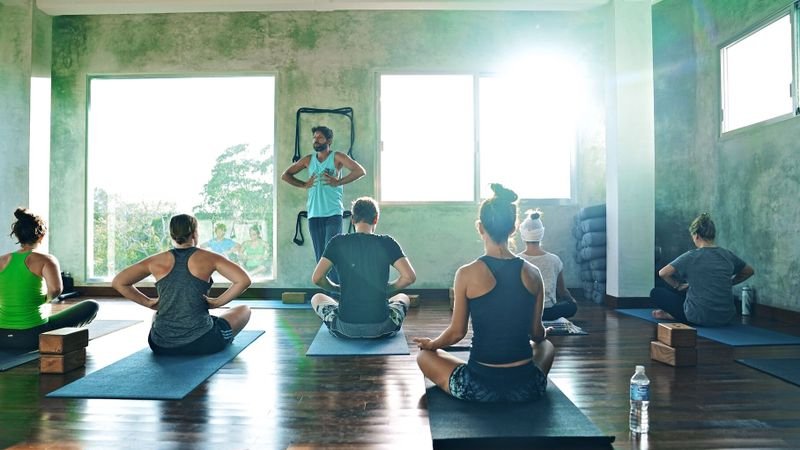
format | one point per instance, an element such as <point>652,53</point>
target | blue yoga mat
<point>325,344</point>
<point>736,335</point>
<point>13,358</point>
<point>549,422</point>
<point>787,369</point>
<point>267,304</point>
<point>144,375</point>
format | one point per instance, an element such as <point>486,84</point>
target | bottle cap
<point>640,368</point>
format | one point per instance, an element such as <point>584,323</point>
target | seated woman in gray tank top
<point>182,324</point>
<point>504,296</point>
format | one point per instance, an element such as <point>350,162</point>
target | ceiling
<point>80,7</point>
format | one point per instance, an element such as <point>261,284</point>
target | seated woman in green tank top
<point>29,279</point>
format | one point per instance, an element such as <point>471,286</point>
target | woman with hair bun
<point>700,280</point>
<point>504,296</point>
<point>29,279</point>
<point>558,301</point>
<point>182,324</point>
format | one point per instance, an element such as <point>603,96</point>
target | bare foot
<point>661,314</point>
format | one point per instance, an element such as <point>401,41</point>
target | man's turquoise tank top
<point>324,200</point>
<point>21,294</point>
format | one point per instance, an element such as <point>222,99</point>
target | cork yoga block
<point>414,300</point>
<point>293,297</point>
<point>674,356</point>
<point>63,340</point>
<point>677,335</point>
<point>50,363</point>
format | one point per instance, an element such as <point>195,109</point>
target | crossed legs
<point>438,365</point>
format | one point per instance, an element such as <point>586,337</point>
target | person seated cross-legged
<point>28,279</point>
<point>362,260</point>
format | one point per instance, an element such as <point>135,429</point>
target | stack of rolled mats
<point>590,250</point>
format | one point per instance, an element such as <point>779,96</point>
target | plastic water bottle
<point>640,400</point>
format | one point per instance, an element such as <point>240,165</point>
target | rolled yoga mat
<point>144,375</point>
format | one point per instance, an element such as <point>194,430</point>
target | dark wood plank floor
<point>272,396</point>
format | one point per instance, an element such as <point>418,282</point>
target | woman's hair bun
<point>502,193</point>
<point>23,214</point>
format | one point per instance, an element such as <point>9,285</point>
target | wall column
<point>630,147</point>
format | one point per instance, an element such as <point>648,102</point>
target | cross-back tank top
<point>182,314</point>
<point>502,318</point>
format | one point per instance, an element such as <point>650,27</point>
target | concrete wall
<point>16,47</point>
<point>322,59</point>
<point>749,180</point>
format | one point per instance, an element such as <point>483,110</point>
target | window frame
<point>88,195</point>
<point>793,12</point>
<point>476,76</point>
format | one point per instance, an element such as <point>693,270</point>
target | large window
<point>427,138</point>
<point>163,146</point>
<point>447,137</point>
<point>757,75</point>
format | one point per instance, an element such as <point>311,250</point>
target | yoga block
<point>414,300</point>
<point>63,340</point>
<point>293,297</point>
<point>674,356</point>
<point>452,298</point>
<point>49,363</point>
<point>677,334</point>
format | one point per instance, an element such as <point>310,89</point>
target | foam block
<point>52,363</point>
<point>452,298</point>
<point>677,335</point>
<point>414,300</point>
<point>673,356</point>
<point>293,297</point>
<point>63,340</point>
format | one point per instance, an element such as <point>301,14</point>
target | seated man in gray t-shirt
<point>369,306</point>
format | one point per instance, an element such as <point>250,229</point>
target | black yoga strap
<point>345,111</point>
<point>298,229</point>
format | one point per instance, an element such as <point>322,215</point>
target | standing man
<point>324,186</point>
<point>369,305</point>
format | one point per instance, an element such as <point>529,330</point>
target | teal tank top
<point>21,294</point>
<point>324,200</point>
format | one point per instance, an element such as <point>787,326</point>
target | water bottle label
<point>640,392</point>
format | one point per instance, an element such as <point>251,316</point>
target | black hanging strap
<point>345,111</point>
<point>298,229</point>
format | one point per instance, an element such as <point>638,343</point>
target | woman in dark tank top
<point>504,296</point>
<point>182,324</point>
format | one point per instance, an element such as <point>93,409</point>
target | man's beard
<point>320,147</point>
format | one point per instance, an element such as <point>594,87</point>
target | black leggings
<point>565,309</point>
<point>670,301</point>
<point>77,315</point>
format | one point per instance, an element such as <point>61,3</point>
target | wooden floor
<point>272,396</point>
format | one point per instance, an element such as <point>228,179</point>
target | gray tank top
<point>182,314</point>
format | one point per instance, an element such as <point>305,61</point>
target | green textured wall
<point>16,34</point>
<point>322,59</point>
<point>749,180</point>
